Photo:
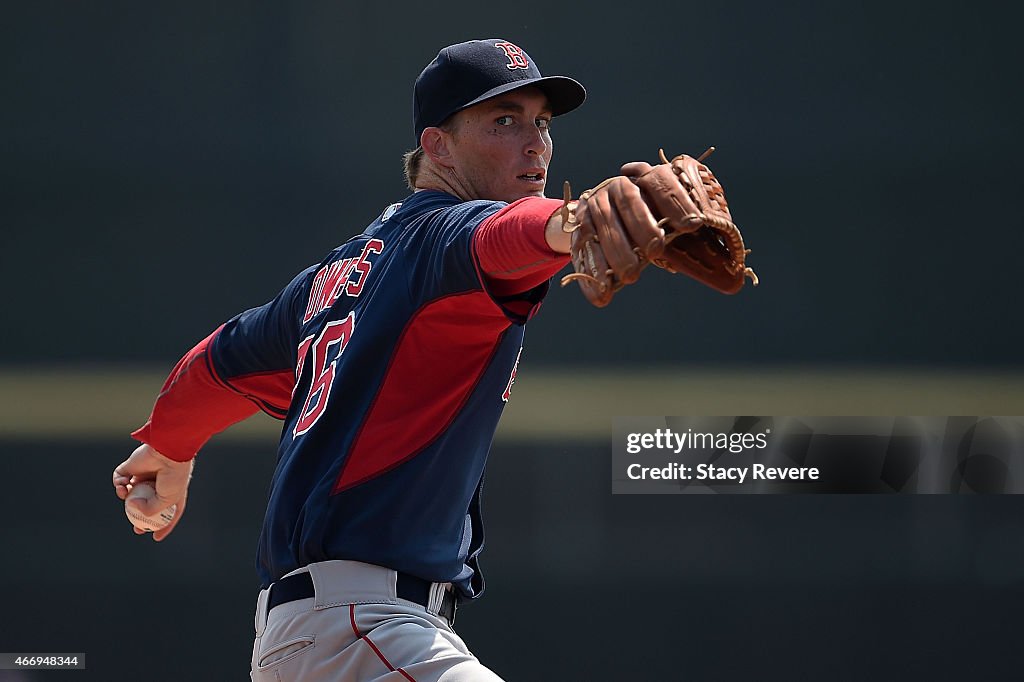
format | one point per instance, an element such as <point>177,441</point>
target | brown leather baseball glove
<point>673,215</point>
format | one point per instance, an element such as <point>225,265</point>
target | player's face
<point>501,147</point>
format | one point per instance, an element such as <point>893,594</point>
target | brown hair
<point>411,161</point>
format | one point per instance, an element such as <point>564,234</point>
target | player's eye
<point>504,120</point>
<point>544,123</point>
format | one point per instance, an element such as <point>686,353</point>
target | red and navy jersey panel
<point>390,363</point>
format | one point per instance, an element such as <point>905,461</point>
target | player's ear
<point>436,144</point>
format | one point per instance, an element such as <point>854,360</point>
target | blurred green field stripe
<point>74,403</point>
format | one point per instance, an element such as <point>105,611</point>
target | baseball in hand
<point>145,491</point>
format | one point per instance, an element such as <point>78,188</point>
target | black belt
<point>409,587</point>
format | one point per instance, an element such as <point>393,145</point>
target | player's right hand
<point>171,479</point>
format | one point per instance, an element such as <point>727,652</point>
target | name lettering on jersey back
<point>343,276</point>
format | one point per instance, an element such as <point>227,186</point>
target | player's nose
<point>536,145</point>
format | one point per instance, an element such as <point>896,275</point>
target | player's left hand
<point>171,479</point>
<point>614,235</point>
<point>680,200</point>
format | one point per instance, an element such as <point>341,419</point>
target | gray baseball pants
<point>356,629</point>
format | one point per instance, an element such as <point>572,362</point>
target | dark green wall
<point>582,585</point>
<point>168,164</point>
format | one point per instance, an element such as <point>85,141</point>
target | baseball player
<point>390,363</point>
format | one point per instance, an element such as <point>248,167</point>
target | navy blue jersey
<point>401,363</point>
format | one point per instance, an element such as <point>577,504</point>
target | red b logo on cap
<point>515,54</point>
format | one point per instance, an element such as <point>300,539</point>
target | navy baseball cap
<point>467,73</point>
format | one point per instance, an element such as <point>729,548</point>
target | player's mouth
<point>534,177</point>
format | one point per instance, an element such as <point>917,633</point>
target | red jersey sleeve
<point>193,405</point>
<point>246,365</point>
<point>511,249</point>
